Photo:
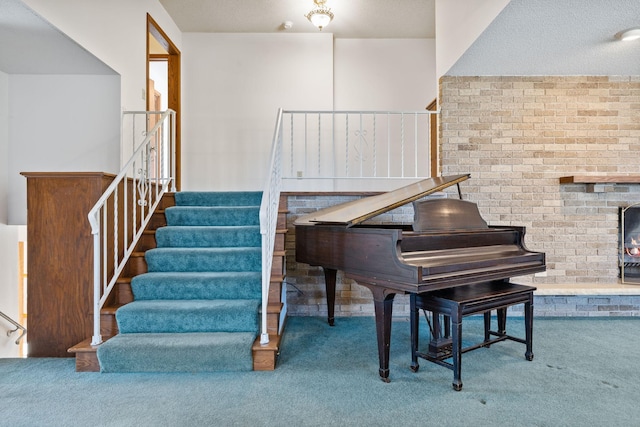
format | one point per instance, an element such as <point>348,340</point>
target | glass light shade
<point>320,18</point>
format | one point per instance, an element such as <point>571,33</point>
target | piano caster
<point>384,375</point>
<point>457,386</point>
<point>528,356</point>
<point>414,367</point>
<point>331,321</point>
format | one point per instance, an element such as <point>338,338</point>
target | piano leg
<point>330,287</point>
<point>501,314</point>
<point>383,304</point>
<point>528,326</point>
<point>414,318</point>
<point>456,350</point>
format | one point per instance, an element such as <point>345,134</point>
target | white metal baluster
<point>346,145</point>
<point>333,143</point>
<point>291,173</point>
<point>319,143</point>
<point>402,144</point>
<point>306,130</point>
<point>360,144</point>
<point>115,229</point>
<point>375,153</point>
<point>415,144</point>
<point>95,230</point>
<point>388,144</point>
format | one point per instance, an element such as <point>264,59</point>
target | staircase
<point>189,299</point>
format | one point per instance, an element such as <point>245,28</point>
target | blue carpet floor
<point>585,373</point>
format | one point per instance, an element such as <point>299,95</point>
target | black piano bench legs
<point>453,304</point>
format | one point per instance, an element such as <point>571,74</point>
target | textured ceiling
<point>353,18</point>
<point>529,37</point>
<point>556,37</point>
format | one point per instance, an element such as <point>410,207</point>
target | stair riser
<point>191,289</point>
<point>108,325</point>
<point>175,260</point>
<point>136,265</point>
<point>156,221</point>
<point>177,353</point>
<point>205,216</point>
<point>175,236</point>
<point>198,316</point>
<point>277,266</point>
<point>147,241</point>
<point>123,293</point>
<point>225,198</point>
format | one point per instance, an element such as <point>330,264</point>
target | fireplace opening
<point>629,235</point>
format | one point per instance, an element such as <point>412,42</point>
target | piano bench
<point>458,302</point>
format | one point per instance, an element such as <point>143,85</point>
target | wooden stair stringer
<point>265,357</point>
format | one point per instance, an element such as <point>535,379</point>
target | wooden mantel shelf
<point>600,179</point>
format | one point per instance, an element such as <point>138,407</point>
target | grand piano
<point>449,244</point>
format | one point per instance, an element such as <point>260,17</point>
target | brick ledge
<point>587,289</point>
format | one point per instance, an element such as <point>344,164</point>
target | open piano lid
<point>357,211</point>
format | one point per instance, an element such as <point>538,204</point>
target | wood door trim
<point>174,79</point>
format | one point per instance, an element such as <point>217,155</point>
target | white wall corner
<point>458,24</point>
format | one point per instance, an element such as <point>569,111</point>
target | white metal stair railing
<point>269,220</point>
<point>17,325</point>
<point>310,146</point>
<point>357,146</point>
<point>120,216</point>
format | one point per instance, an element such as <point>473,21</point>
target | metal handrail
<point>269,219</point>
<point>17,325</point>
<point>120,216</point>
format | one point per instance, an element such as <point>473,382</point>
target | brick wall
<point>517,136</point>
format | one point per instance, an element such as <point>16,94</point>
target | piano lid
<point>357,211</point>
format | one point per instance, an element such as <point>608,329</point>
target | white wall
<point>4,146</point>
<point>59,124</point>
<point>113,31</point>
<point>233,85</point>
<point>384,74</point>
<point>8,234</point>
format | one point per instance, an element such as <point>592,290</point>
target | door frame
<point>173,84</point>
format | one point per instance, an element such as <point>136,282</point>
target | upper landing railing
<point>338,150</point>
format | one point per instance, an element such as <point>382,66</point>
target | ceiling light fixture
<point>321,15</point>
<point>628,35</point>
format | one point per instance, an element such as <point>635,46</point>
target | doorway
<point>163,80</point>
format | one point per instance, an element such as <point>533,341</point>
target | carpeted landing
<point>584,373</point>
<point>197,307</point>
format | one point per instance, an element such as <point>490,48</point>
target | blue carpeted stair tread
<point>218,198</point>
<point>207,215</point>
<point>189,316</point>
<point>197,285</point>
<point>208,236</point>
<point>204,259</point>
<point>184,352</point>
